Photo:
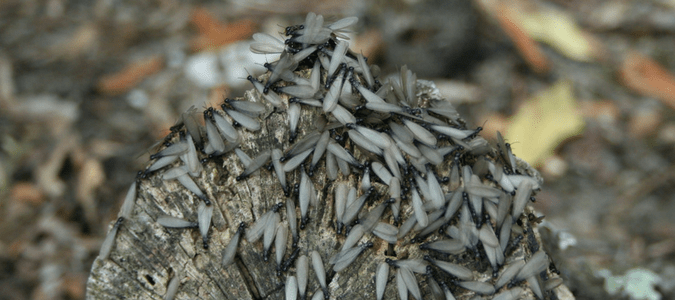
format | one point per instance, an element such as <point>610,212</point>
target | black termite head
<point>514,282</point>
<point>477,219</point>
<point>391,262</point>
<point>338,227</point>
<point>355,83</point>
<point>479,255</point>
<point>266,255</point>
<point>277,207</point>
<point>296,188</point>
<point>303,222</point>
<point>533,199</point>
<point>415,111</point>
<point>205,242</point>
<point>208,113</point>
<point>543,275</point>
<point>486,219</point>
<point>118,222</point>
<point>424,247</point>
<point>292,30</point>
<point>207,202</point>
<point>553,268</point>
<point>276,89</point>
<point>175,128</point>
<point>429,271</point>
<point>360,167</point>
<point>476,132</point>
<point>242,226</point>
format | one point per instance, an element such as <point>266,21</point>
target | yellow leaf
<point>560,31</point>
<point>543,122</point>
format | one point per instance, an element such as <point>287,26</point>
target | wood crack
<point>248,279</point>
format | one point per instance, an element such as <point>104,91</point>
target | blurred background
<point>583,90</point>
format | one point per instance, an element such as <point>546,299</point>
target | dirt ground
<point>86,88</point>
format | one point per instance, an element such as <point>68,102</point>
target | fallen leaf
<point>647,77</point>
<point>560,31</point>
<point>511,24</point>
<point>213,34</point>
<point>130,76</point>
<point>543,122</point>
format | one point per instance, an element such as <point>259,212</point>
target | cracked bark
<point>146,256</point>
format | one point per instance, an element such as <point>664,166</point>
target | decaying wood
<point>147,256</point>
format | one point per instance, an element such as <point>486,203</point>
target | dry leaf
<point>543,122</point>
<point>560,31</point>
<point>647,77</point>
<point>510,22</point>
<point>130,76</point>
<point>213,34</point>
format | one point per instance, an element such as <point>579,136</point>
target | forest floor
<point>584,90</point>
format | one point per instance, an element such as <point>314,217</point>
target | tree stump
<point>147,257</point>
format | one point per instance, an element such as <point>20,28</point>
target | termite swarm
<point>390,159</point>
